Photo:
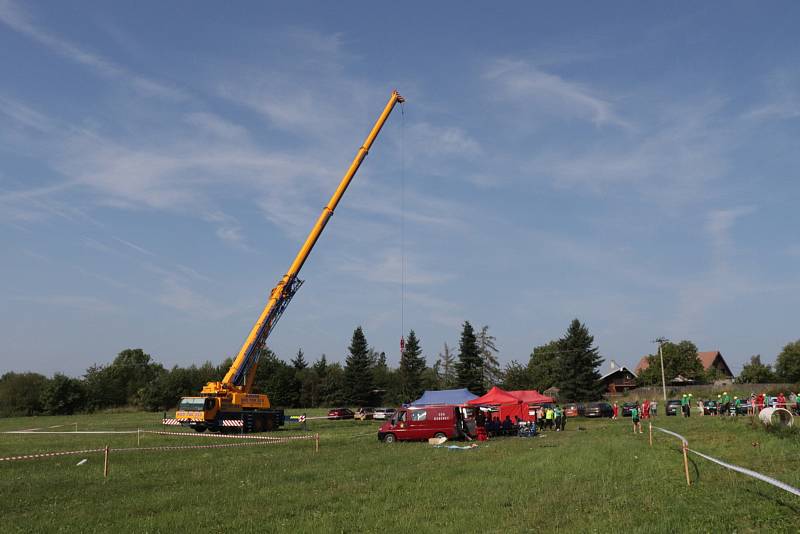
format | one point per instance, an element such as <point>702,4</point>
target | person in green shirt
<point>684,404</point>
<point>736,403</point>
<point>635,418</point>
<point>557,414</point>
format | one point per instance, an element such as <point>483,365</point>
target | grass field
<point>595,477</point>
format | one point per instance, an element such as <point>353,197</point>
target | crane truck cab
<point>248,412</point>
<point>415,424</point>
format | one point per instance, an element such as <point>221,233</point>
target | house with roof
<point>711,360</point>
<point>618,379</point>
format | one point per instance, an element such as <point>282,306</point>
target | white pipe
<point>776,416</point>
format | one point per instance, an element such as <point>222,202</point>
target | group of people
<point>648,408</point>
<point>543,418</point>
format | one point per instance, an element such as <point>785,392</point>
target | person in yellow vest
<point>550,416</point>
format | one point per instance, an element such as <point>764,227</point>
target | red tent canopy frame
<point>531,396</point>
<point>510,405</point>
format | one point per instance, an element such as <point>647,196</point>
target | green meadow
<point>597,476</point>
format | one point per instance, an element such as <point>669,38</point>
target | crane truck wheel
<point>199,429</point>
<point>389,438</point>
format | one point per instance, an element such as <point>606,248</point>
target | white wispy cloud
<point>77,302</point>
<point>549,93</point>
<point>782,99</point>
<point>18,19</point>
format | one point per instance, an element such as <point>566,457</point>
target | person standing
<point>557,414</point>
<point>781,400</point>
<point>689,405</point>
<point>736,403</point>
<point>646,409</point>
<point>685,405</point>
<point>653,408</point>
<point>635,418</point>
<point>615,411</point>
<point>549,415</point>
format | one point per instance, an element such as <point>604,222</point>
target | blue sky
<point>633,166</point>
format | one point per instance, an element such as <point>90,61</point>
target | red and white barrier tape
<point>764,478</point>
<point>228,436</point>
<point>255,440</point>
<point>47,455</point>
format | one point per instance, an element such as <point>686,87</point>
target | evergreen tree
<point>385,381</point>
<point>579,379</point>
<point>487,348</point>
<point>412,367</point>
<point>358,376</point>
<point>321,366</point>
<point>544,366</point>
<point>299,362</point>
<point>445,368</point>
<point>469,368</point>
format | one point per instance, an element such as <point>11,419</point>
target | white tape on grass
<point>670,432</point>
<point>759,476</point>
<point>748,472</point>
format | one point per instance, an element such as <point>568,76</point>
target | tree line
<point>135,379</point>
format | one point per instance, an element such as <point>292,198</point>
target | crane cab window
<point>192,404</point>
<point>209,404</point>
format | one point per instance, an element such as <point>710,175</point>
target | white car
<point>384,413</point>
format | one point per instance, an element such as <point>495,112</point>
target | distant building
<point>618,379</point>
<point>551,392</point>
<point>710,359</point>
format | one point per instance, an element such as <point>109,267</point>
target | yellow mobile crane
<point>230,403</point>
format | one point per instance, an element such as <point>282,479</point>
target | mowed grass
<point>595,477</point>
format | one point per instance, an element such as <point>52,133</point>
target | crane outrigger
<point>230,402</point>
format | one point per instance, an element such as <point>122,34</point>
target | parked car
<point>710,407</point>
<point>574,409</point>
<point>627,407</point>
<point>422,423</point>
<point>673,407</point>
<point>599,409</point>
<point>364,413</point>
<point>743,408</point>
<point>383,413</point>
<point>340,413</point>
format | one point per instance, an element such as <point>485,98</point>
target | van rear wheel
<point>440,435</point>
<point>389,438</point>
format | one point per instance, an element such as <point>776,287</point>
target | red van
<point>422,423</point>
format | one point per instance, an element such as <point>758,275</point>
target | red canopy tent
<point>510,405</point>
<point>531,396</point>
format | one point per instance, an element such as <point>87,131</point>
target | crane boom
<point>234,389</point>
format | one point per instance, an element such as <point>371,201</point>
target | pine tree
<point>299,362</point>
<point>487,348</point>
<point>579,379</point>
<point>412,367</point>
<point>544,365</point>
<point>469,368</point>
<point>358,377</point>
<point>445,368</point>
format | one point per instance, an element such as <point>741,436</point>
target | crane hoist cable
<point>402,227</point>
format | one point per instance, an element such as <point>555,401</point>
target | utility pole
<point>661,342</point>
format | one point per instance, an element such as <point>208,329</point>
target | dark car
<point>627,407</point>
<point>574,410</point>
<point>340,413</point>
<point>710,407</point>
<point>744,407</point>
<point>599,409</point>
<point>673,407</point>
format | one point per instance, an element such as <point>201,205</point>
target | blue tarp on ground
<point>444,396</point>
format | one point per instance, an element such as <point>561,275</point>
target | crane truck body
<point>230,402</point>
